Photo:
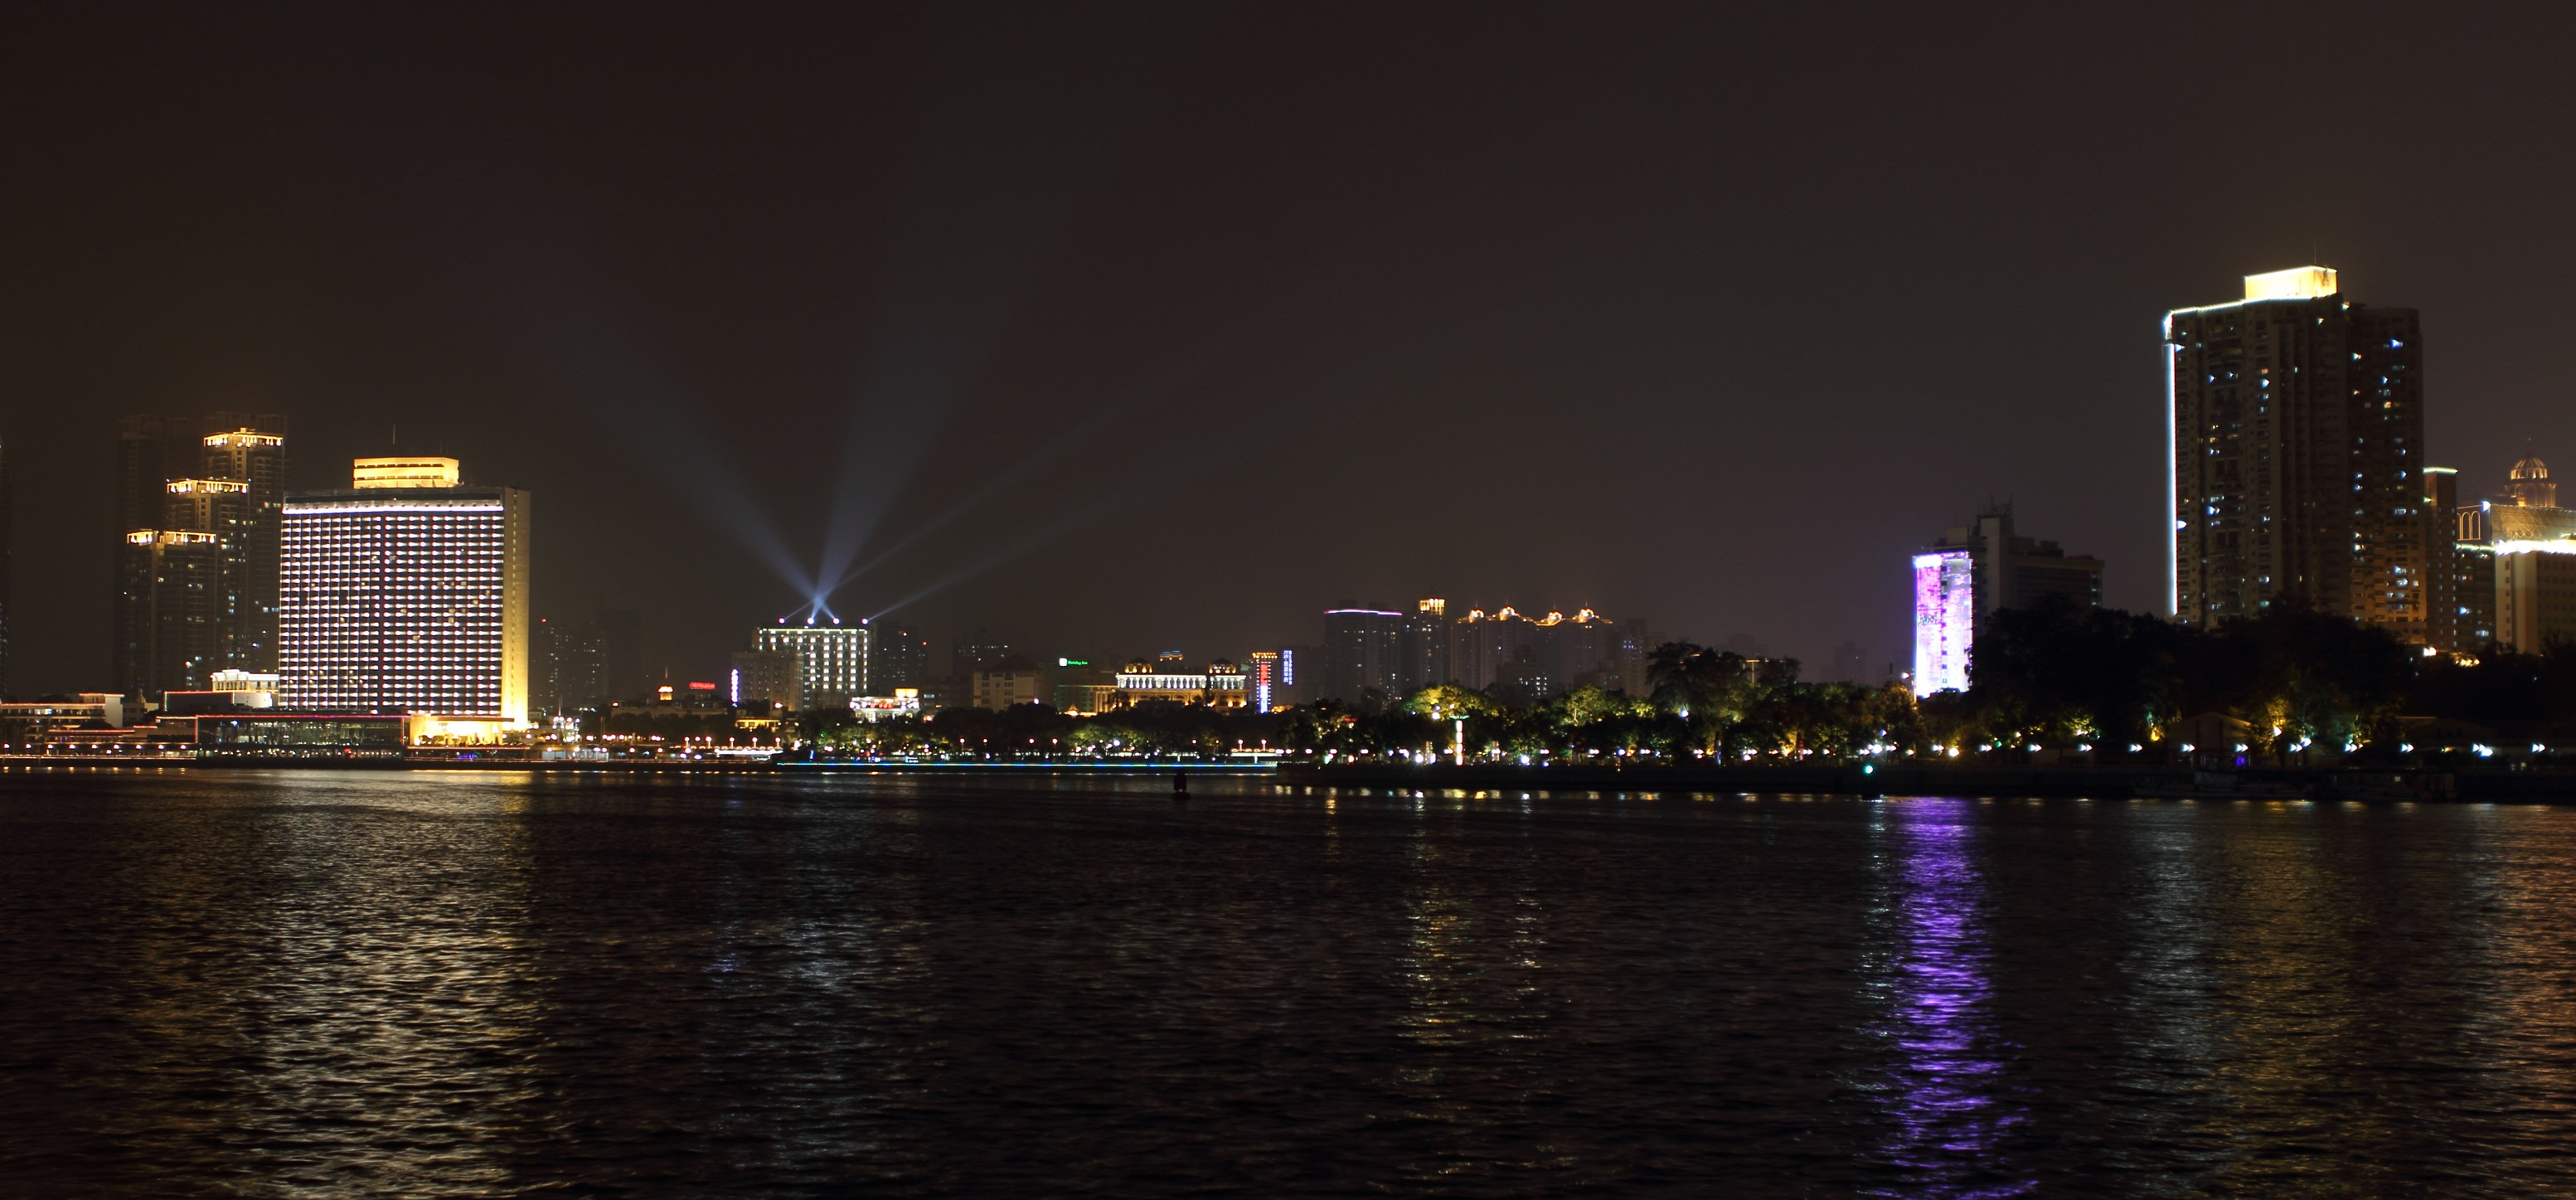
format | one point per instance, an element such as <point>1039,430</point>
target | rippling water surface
<point>317,983</point>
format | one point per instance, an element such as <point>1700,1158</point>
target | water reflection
<point>1942,1093</point>
<point>384,1051</point>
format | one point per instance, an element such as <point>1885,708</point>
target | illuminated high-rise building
<point>173,617</point>
<point>1422,646</point>
<point>406,593</point>
<point>150,452</point>
<point>2296,423</point>
<point>254,455</point>
<point>173,475</point>
<point>1261,674</point>
<point>5,493</point>
<point>1975,571</point>
<point>831,659</point>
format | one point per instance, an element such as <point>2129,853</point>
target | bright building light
<point>1944,619</point>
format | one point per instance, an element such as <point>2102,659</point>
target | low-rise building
<point>1168,679</point>
<point>1014,680</point>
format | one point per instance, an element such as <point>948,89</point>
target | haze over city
<point>1147,328</point>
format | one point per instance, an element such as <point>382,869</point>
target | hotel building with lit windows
<point>407,593</point>
<point>2296,439</point>
<point>831,660</point>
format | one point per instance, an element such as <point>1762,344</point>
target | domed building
<point>2527,509</point>
<point>2528,485</point>
<point>2531,543</point>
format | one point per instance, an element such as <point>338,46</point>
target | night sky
<point>1121,329</point>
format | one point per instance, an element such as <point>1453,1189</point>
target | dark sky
<point>1122,329</point>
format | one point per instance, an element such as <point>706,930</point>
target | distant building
<point>898,657</point>
<point>763,679</point>
<point>1079,687</point>
<point>1262,678</point>
<point>1011,681</point>
<point>1480,644</point>
<point>1973,572</point>
<point>1168,678</point>
<point>252,451</point>
<point>2296,456</point>
<point>5,494</point>
<point>1578,651</point>
<point>621,655</point>
<point>1551,654</point>
<point>102,709</point>
<point>570,667</point>
<point>1362,654</point>
<point>1637,642</point>
<point>172,603</point>
<point>905,702</point>
<point>225,476</point>
<point>1422,646</point>
<point>831,659</point>
<point>977,652</point>
<point>2524,545</point>
<point>396,598</point>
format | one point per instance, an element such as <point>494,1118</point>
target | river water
<point>431,984</point>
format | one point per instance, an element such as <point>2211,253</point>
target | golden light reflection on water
<point>387,1055</point>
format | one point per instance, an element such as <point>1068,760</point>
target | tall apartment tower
<point>252,452</point>
<point>1423,646</point>
<point>4,571</point>
<point>407,593</point>
<point>150,452</point>
<point>223,475</point>
<point>2297,435</point>
<point>1362,653</point>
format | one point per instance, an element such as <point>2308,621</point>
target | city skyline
<point>1358,302</point>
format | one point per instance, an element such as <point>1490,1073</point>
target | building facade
<point>1422,647</point>
<point>1168,679</point>
<point>2296,422</point>
<point>1004,684</point>
<point>2521,546</point>
<point>1362,654</point>
<point>223,475</point>
<point>1263,682</point>
<point>401,599</point>
<point>1975,571</point>
<point>253,455</point>
<point>173,611</point>
<point>765,679</point>
<point>831,659</point>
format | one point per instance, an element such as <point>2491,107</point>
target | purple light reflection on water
<point>1947,1064</point>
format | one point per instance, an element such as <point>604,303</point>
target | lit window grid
<point>393,608</point>
<point>831,660</point>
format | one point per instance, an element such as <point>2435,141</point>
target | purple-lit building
<point>1975,570</point>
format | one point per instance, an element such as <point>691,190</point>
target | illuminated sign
<point>1945,614</point>
<point>702,687</point>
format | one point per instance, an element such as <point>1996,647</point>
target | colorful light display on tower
<point>1945,616</point>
